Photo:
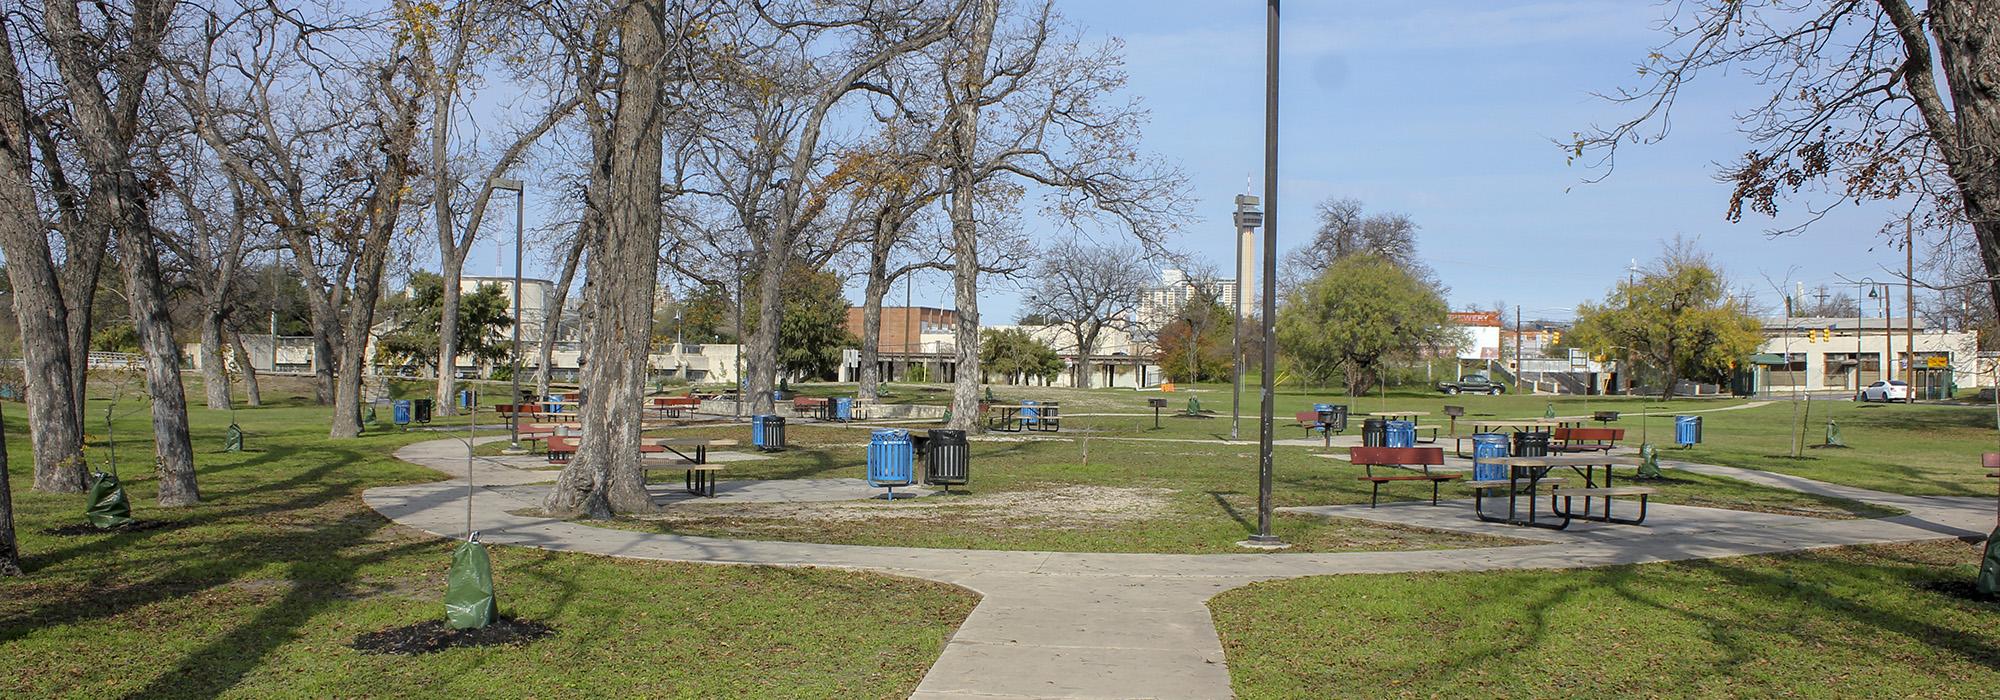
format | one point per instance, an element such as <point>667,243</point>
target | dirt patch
<point>1069,506</point>
<point>1962,589</point>
<point>81,529</point>
<point>433,636</point>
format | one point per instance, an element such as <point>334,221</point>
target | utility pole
<point>1910,306</point>
<point>1517,347</point>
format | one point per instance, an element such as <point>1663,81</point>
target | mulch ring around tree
<point>1962,589</point>
<point>82,529</point>
<point>433,636</point>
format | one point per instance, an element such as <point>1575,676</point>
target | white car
<point>1892,390</point>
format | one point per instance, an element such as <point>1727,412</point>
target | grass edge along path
<point>1869,621</point>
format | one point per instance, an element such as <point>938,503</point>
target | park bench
<point>1586,439</point>
<point>1419,459</point>
<point>1605,492</point>
<point>811,406</point>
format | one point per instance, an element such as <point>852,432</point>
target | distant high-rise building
<point>1160,304</point>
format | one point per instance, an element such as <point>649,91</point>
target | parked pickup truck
<point>1473,384</point>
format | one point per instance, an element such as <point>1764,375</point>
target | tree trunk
<point>360,317</point>
<point>252,395</point>
<point>563,281</point>
<point>323,361</point>
<point>147,297</point>
<point>964,170</point>
<point>54,428</point>
<point>447,374</point>
<point>604,477</point>
<point>1085,340</point>
<point>214,373</point>
<point>1968,39</point>
<point>10,552</point>
<point>871,322</point>
<point>762,361</point>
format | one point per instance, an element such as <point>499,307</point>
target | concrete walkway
<point>1078,625</point>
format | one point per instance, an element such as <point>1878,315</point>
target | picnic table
<point>1024,416</point>
<point>1488,425</point>
<point>1534,470</point>
<point>1399,415</point>
<point>699,478</point>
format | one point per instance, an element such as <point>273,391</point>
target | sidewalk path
<point>1079,625</point>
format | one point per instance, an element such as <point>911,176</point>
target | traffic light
<point>1555,337</point>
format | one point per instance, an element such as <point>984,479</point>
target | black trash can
<point>1531,444</point>
<point>1375,432</point>
<point>422,408</point>
<point>947,459</point>
<point>1334,418</point>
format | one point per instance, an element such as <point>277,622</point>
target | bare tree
<point>1867,100</point>
<point>447,64</point>
<point>866,35</point>
<point>653,43</point>
<point>105,122</point>
<point>897,187</point>
<point>1344,229</point>
<point>1086,290</point>
<point>211,250</point>
<point>326,148</point>
<point>1030,107</point>
<point>54,419</point>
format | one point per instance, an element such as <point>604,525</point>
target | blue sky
<point>1447,111</point>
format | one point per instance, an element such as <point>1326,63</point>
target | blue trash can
<point>767,432</point>
<point>401,411</point>
<point>1323,411</point>
<point>1487,446</point>
<point>1030,416</point>
<point>465,399</point>
<point>890,460</point>
<point>1401,433</point>
<point>1687,430</point>
<point>843,409</point>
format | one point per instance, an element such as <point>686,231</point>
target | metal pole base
<point>1267,542</point>
<point>514,449</point>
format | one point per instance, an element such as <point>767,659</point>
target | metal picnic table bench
<point>1534,471</point>
<point>699,477</point>
<point>1043,416</point>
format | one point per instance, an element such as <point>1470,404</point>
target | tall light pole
<point>1868,282</point>
<point>1248,218</point>
<point>520,200</point>
<point>1264,538</point>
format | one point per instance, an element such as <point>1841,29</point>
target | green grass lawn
<point>1857,622</point>
<point>258,591</point>
<point>1086,491</point>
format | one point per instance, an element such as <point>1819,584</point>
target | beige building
<point>1829,355</point>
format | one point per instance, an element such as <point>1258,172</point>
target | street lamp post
<point>1264,538</point>
<point>520,201</point>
